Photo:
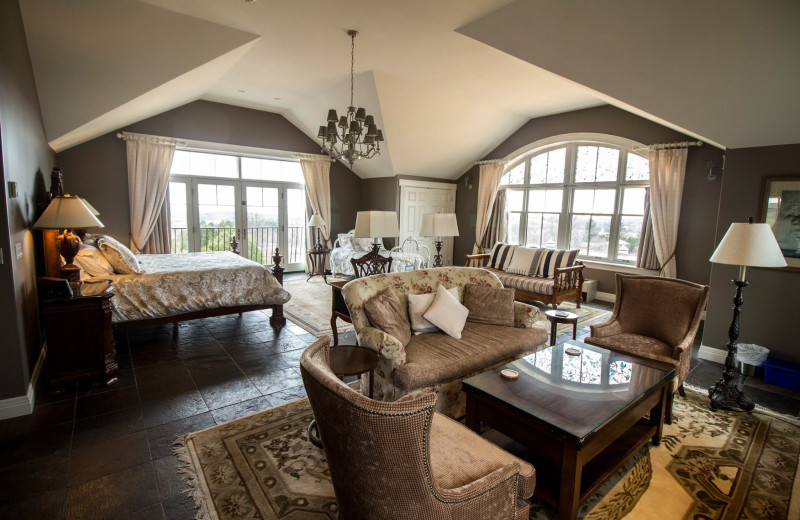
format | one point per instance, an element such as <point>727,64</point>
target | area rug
<point>310,309</point>
<point>721,465</point>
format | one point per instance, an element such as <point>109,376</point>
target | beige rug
<point>722,465</point>
<point>310,308</point>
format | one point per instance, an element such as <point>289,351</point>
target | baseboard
<point>712,354</point>
<point>606,297</point>
<point>23,404</point>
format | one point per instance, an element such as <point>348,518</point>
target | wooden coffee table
<point>580,417</point>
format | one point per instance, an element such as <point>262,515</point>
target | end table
<point>555,317</point>
<point>317,259</point>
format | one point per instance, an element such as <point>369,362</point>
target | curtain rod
<point>131,136</point>
<point>313,157</point>
<point>492,161</point>
<point>666,146</point>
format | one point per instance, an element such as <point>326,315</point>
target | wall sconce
<point>468,182</point>
<point>710,167</point>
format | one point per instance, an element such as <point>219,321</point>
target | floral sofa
<point>435,362</point>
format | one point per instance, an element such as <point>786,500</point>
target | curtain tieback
<point>665,262</point>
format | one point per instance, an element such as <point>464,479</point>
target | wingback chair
<point>401,460</point>
<point>654,318</point>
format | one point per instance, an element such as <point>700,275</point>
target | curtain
<point>646,255</point>
<point>498,222</point>
<point>489,180</point>
<point>317,173</point>
<point>149,162</point>
<point>160,241</point>
<point>667,170</point>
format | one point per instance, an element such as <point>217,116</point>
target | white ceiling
<point>447,80</point>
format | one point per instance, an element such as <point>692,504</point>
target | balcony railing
<point>261,242</point>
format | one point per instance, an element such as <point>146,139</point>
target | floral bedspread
<point>174,284</point>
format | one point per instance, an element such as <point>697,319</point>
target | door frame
<point>447,242</point>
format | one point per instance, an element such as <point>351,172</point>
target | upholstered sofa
<point>437,362</point>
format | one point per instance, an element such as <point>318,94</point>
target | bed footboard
<point>277,319</point>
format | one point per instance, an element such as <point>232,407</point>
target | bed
<point>409,256</point>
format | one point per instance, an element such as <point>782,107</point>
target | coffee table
<point>580,417</point>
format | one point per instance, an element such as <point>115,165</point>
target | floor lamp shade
<point>376,224</point>
<point>750,245</point>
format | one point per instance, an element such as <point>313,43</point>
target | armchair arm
<point>478,260</point>
<point>527,316</point>
<point>500,482</point>
<point>603,330</point>
<point>566,278</point>
<point>387,346</point>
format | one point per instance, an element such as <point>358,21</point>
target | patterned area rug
<point>721,465</point>
<point>310,309</point>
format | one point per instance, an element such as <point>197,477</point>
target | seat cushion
<point>636,345</point>
<point>460,456</point>
<point>438,358</point>
<point>531,284</point>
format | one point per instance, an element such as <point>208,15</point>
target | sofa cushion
<point>385,312</point>
<point>501,256</point>
<point>553,259</point>
<point>418,304</point>
<point>531,284</point>
<point>526,261</point>
<point>636,345</point>
<point>490,305</point>
<point>438,358</point>
<point>447,313</point>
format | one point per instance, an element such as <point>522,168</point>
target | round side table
<point>352,360</point>
<point>555,317</point>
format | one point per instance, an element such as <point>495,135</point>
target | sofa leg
<point>682,391</point>
<point>668,410</point>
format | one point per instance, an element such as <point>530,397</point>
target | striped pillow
<point>501,256</point>
<point>525,261</point>
<point>553,259</point>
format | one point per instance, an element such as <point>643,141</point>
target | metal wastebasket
<point>750,359</point>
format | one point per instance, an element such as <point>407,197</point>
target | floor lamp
<point>745,245</point>
<point>438,225</point>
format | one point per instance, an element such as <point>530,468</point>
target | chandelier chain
<point>352,62</point>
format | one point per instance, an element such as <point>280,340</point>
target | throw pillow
<point>501,256</point>
<point>553,259</point>
<point>119,256</point>
<point>418,304</point>
<point>525,261</point>
<point>489,305</point>
<point>447,313</point>
<point>92,262</point>
<point>385,312</point>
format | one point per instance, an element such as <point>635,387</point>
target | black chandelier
<point>354,136</point>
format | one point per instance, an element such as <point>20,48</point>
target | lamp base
<point>437,259</point>
<point>72,274</point>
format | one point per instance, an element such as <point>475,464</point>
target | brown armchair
<point>654,318</point>
<point>402,460</point>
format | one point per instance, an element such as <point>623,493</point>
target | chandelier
<point>354,136</point>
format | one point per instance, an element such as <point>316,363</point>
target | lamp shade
<point>67,212</point>
<point>316,221</point>
<point>750,245</point>
<point>438,225</point>
<point>376,224</point>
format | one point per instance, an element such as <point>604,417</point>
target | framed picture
<point>781,210</point>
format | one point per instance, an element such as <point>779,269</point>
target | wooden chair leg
<point>668,411</point>
<point>682,391</point>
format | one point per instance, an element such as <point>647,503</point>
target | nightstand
<point>79,338</point>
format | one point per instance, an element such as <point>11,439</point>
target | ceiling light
<point>354,136</point>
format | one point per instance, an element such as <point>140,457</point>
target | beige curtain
<point>646,255</point>
<point>489,180</point>
<point>667,170</point>
<point>160,241</point>
<point>317,174</point>
<point>496,230</point>
<point>149,162</point>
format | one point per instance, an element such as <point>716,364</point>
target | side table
<point>338,307</point>
<point>352,360</point>
<point>317,259</point>
<point>555,317</point>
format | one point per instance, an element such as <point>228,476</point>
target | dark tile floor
<point>107,453</point>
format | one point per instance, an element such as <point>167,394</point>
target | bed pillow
<point>385,312</point>
<point>525,261</point>
<point>418,304</point>
<point>447,313</point>
<point>119,256</point>
<point>92,262</point>
<point>362,244</point>
<point>344,240</point>
<point>553,259</point>
<point>501,256</point>
<point>489,305</point>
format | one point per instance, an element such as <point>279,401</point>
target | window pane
<point>637,168</point>
<point>633,201</point>
<point>180,163</point>
<point>545,200</point>
<point>514,200</point>
<point>548,168</point>
<point>533,237</point>
<point>271,170</point>
<point>539,169</point>
<point>513,228</point>
<point>292,172</point>
<point>204,164</point>
<point>206,194</point>
<point>579,236</point>
<point>550,230</point>
<point>596,164</point>
<point>630,229</point>
<point>593,201</point>
<point>516,175</point>
<point>178,217</point>
<point>225,166</point>
<point>225,195</point>
<point>583,201</point>
<point>590,234</point>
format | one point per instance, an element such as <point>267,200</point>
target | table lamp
<point>745,245</point>
<point>67,213</point>
<point>438,225</point>
<point>318,222</point>
<point>376,225</point>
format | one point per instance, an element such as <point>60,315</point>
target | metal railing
<point>261,242</point>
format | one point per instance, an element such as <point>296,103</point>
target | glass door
<point>217,214</point>
<point>275,216</point>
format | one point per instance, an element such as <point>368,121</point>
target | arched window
<point>584,194</point>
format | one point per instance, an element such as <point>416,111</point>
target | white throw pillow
<point>418,304</point>
<point>447,313</point>
<point>119,256</point>
<point>92,262</point>
<point>525,261</point>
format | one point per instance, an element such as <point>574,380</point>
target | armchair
<point>654,318</point>
<point>403,461</point>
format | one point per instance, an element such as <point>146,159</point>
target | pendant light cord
<point>352,61</point>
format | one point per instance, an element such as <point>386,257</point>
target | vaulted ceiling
<point>447,80</point>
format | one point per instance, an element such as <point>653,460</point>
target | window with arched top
<point>583,194</point>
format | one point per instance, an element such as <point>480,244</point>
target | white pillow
<point>447,313</point>
<point>119,256</point>
<point>418,304</point>
<point>525,261</point>
<point>92,262</point>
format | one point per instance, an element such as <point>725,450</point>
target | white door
<point>418,198</point>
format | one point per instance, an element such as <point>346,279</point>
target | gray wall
<point>26,160</point>
<point>700,197</point>
<point>771,302</point>
<point>97,169</point>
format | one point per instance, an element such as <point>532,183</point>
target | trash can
<point>751,358</point>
